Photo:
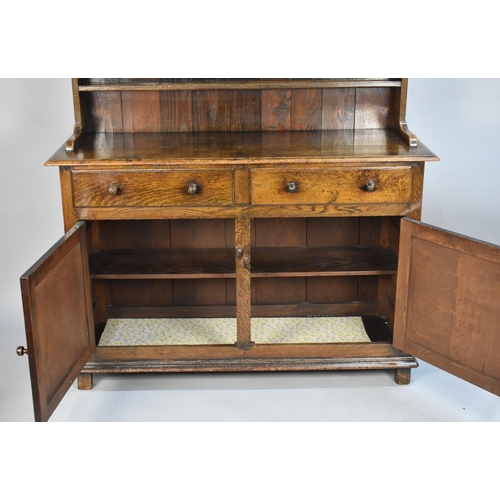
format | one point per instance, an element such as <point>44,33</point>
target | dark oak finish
<point>58,317</point>
<point>140,84</point>
<point>220,263</point>
<point>107,150</point>
<point>243,267</point>
<point>447,307</point>
<point>241,198</point>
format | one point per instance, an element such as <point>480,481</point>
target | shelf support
<point>399,118</point>
<point>77,134</point>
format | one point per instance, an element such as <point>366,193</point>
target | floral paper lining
<point>199,331</point>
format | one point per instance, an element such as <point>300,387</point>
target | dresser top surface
<point>319,146</point>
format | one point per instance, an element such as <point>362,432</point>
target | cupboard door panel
<point>448,303</point>
<point>58,318</point>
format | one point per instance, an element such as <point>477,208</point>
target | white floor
<point>432,396</point>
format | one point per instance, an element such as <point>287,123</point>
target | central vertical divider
<point>243,295</point>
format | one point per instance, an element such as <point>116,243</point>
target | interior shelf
<point>322,261</point>
<point>179,263</point>
<point>220,263</point>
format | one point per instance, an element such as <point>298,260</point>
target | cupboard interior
<point>303,268</point>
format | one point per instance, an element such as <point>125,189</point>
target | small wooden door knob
<point>21,351</point>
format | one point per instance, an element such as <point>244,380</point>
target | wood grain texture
<point>173,84</point>
<point>200,234</point>
<point>104,105</point>
<point>339,109</point>
<point>402,376</point>
<point>326,247</point>
<point>175,263</point>
<point>276,110</point>
<point>447,303</point>
<point>244,110</point>
<point>210,111</point>
<point>69,215</point>
<point>105,112</point>
<point>301,309</point>
<point>176,111</point>
<point>141,111</point>
<point>277,364</point>
<point>373,108</point>
<point>332,232</point>
<point>348,185</point>
<point>264,211</point>
<point>85,381</point>
<point>136,235</point>
<point>304,148</point>
<point>398,111</point>
<point>153,188</point>
<point>259,357</point>
<point>243,296</point>
<point>417,187</point>
<point>322,261</point>
<point>306,110</point>
<point>58,317</point>
<point>280,234</point>
<point>139,293</point>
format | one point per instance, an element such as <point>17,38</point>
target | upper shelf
<point>138,84</point>
<point>209,148</point>
<point>231,105</point>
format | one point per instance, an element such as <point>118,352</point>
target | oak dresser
<point>251,224</point>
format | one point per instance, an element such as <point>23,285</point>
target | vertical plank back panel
<point>307,106</point>
<point>369,235</point>
<point>338,109</point>
<point>244,110</point>
<point>276,110</point>
<point>209,110</point>
<point>105,112</point>
<point>330,232</point>
<point>373,108</point>
<point>141,111</point>
<point>132,235</point>
<point>176,111</point>
<point>280,233</point>
<point>135,293</point>
<point>211,233</point>
<point>137,234</point>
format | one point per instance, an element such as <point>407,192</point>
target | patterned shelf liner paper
<point>202,331</point>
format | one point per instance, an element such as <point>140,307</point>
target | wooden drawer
<point>125,188</point>
<point>331,185</point>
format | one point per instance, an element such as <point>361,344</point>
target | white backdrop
<point>458,119</point>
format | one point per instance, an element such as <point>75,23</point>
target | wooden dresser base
<point>379,356</point>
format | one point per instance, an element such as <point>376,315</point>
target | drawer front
<point>152,189</point>
<point>334,185</point>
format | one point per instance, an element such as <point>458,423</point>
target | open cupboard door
<point>58,318</point>
<point>448,303</point>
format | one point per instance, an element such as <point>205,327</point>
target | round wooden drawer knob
<point>193,188</point>
<point>292,187</point>
<point>113,189</point>
<point>21,351</point>
<point>370,186</point>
